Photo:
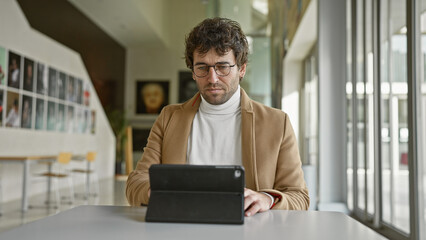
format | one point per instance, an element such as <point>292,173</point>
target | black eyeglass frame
<point>214,67</point>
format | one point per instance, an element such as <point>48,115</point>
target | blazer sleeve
<point>137,185</point>
<point>290,191</point>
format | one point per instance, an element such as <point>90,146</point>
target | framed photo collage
<point>34,95</point>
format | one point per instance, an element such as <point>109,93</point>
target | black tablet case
<point>196,194</point>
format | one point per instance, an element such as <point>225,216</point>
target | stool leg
<point>96,179</point>
<point>71,187</point>
<point>58,197</point>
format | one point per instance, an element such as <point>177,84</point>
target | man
<point>222,125</point>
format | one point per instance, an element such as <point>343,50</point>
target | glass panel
<point>349,107</point>
<point>385,111</point>
<point>394,131</point>
<point>369,107</point>
<point>311,108</point>
<point>360,94</point>
<point>257,81</point>
<point>422,122</point>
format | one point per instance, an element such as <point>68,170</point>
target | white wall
<point>301,45</point>
<point>332,123</point>
<point>17,35</point>
<point>293,96</point>
<point>160,62</point>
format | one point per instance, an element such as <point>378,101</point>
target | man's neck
<point>233,104</point>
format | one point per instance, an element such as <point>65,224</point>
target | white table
<point>118,222</point>
<point>26,162</point>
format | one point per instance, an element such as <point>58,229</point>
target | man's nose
<point>212,76</point>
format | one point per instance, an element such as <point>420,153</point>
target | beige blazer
<point>269,152</point>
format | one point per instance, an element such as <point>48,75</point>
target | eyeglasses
<point>221,69</point>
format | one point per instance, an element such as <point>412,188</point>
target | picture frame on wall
<point>187,86</point>
<point>78,119</point>
<point>61,85</point>
<point>53,82</point>
<point>151,96</point>
<point>13,117</point>
<point>27,111</point>
<point>42,79</point>
<point>1,106</point>
<point>93,122</point>
<point>3,66</point>
<point>71,95</point>
<point>61,118</point>
<point>28,81</point>
<point>14,70</point>
<point>70,119</point>
<point>79,91</point>
<point>86,121</point>
<point>86,95</point>
<point>40,116</point>
<point>51,116</point>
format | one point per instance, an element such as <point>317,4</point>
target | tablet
<point>196,194</point>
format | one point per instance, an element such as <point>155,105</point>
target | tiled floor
<point>112,192</point>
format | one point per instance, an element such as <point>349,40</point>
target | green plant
<point>118,123</point>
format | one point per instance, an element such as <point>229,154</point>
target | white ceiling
<point>123,20</point>
<point>142,22</point>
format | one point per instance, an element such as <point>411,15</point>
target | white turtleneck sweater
<point>215,137</point>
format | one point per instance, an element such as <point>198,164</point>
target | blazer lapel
<point>175,144</point>
<point>248,141</point>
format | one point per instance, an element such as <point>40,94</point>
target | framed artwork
<point>151,96</point>
<point>93,122</point>
<point>86,121</point>
<point>51,116</point>
<point>60,123</point>
<point>61,85</point>
<point>53,82</point>
<point>140,138</point>
<point>70,119</point>
<point>40,116</point>
<point>3,67</point>
<point>1,107</point>
<point>187,86</point>
<point>28,75</point>
<point>13,118</point>
<point>27,110</point>
<point>70,95</point>
<point>79,91</point>
<point>86,94</point>
<point>78,119</point>
<point>42,79</point>
<point>14,72</point>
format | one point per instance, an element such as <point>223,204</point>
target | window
<point>378,116</point>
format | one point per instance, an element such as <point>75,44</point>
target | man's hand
<point>255,202</point>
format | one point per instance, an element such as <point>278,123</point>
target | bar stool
<point>60,172</point>
<point>90,158</point>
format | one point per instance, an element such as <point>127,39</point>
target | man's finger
<point>254,208</point>
<point>248,201</point>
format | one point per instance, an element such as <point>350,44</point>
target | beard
<point>217,93</point>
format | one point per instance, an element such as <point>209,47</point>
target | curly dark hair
<point>222,34</point>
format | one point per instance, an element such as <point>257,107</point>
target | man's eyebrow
<point>203,63</point>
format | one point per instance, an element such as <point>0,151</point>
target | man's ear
<point>242,70</point>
